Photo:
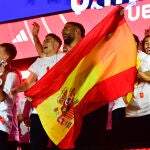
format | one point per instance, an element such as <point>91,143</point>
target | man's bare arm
<point>143,76</point>
<point>36,39</point>
<point>26,85</point>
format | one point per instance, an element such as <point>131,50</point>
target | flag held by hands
<point>99,69</point>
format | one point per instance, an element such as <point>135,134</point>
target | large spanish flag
<point>99,69</point>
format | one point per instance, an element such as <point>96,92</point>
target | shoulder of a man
<point>35,63</point>
<point>61,55</point>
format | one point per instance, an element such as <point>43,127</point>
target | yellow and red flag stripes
<point>99,69</point>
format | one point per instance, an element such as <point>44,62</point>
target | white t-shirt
<point>118,103</point>
<point>24,130</point>
<point>41,65</point>
<point>6,106</point>
<point>140,105</point>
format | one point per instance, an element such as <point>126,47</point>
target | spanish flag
<point>99,69</point>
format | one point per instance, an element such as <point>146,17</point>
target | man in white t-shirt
<point>9,78</point>
<point>51,46</point>
<point>138,110</point>
<point>72,33</point>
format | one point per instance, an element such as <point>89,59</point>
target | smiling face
<point>50,46</point>
<point>146,45</point>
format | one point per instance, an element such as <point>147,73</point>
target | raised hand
<point>35,29</point>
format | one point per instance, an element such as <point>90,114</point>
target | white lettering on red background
<point>78,7</point>
<point>134,13</point>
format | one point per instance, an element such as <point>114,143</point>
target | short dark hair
<point>57,38</point>
<point>136,40</point>
<point>10,50</point>
<point>143,41</point>
<point>80,26</point>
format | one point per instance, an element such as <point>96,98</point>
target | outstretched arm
<point>37,42</point>
<point>143,76</point>
<point>26,85</point>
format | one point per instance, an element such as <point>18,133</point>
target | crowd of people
<point>20,125</point>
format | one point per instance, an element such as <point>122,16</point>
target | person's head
<point>137,41</point>
<point>146,44</point>
<point>51,44</point>
<point>72,32</point>
<point>7,52</point>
